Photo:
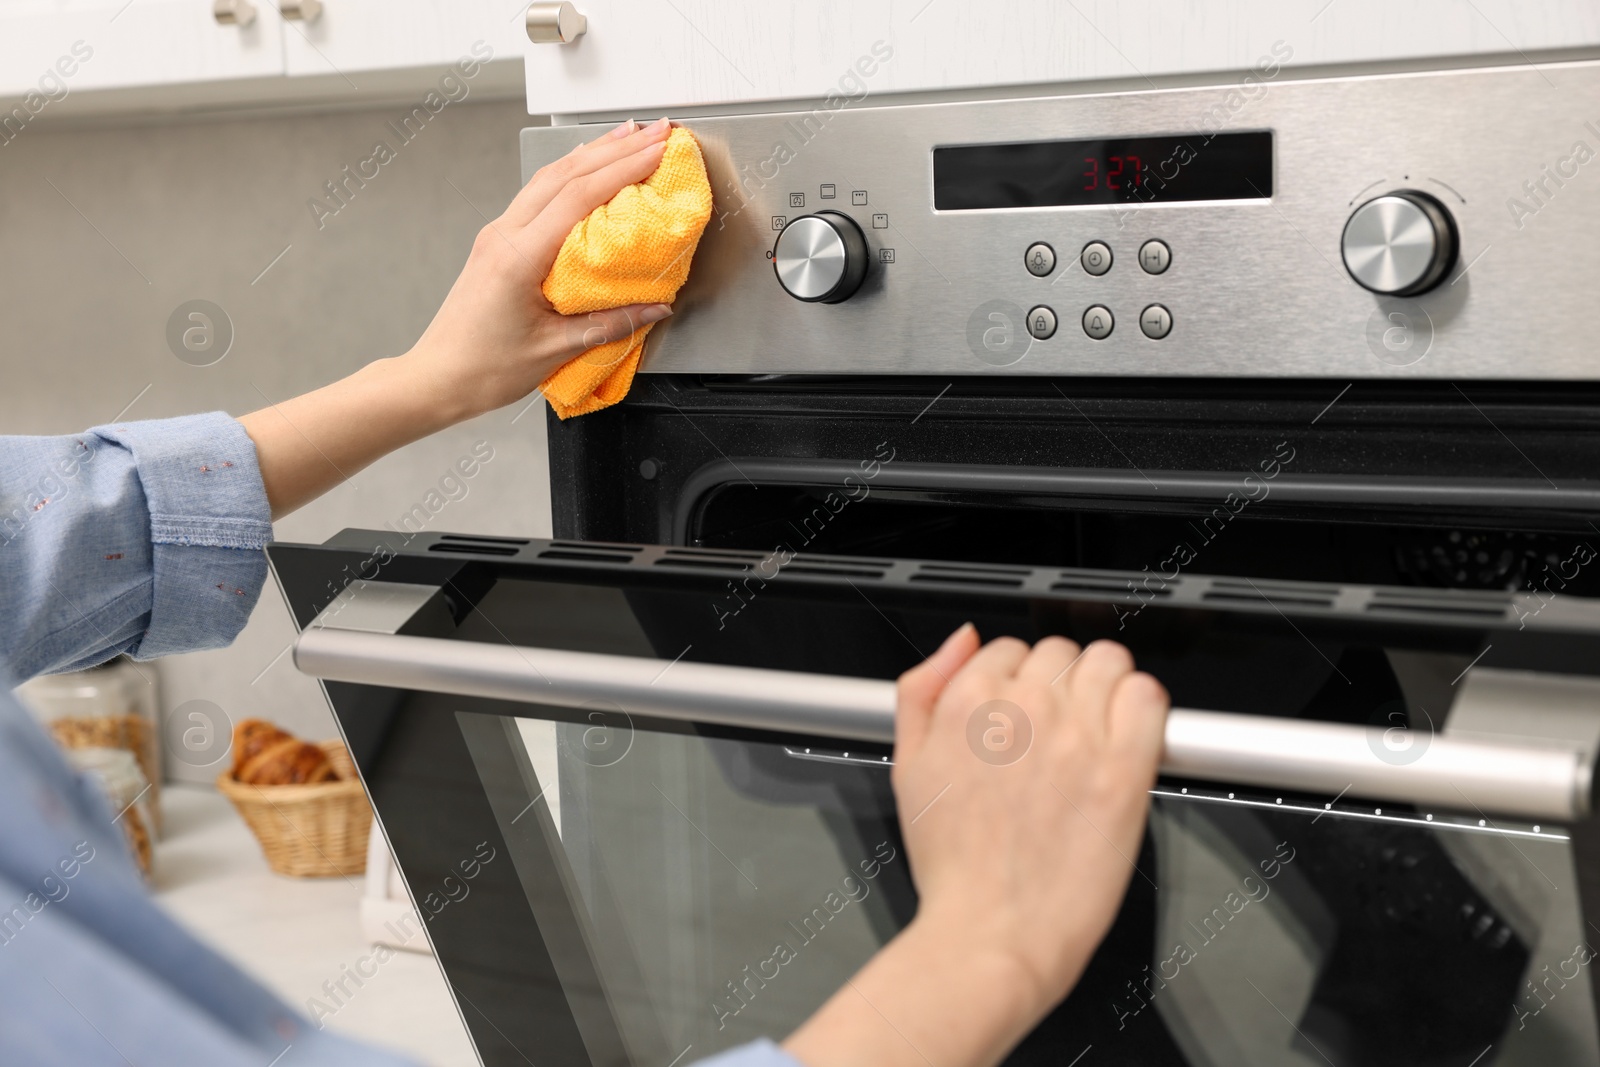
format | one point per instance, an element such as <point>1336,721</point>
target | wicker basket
<point>308,831</point>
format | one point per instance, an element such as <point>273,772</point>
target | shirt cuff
<point>762,1053</point>
<point>209,521</point>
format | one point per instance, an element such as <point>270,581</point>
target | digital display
<point>1124,170</point>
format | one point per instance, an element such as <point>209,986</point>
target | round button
<point>821,258</point>
<point>1399,244</point>
<point>1097,322</point>
<point>1155,321</point>
<point>1155,257</point>
<point>1041,322</point>
<point>1095,257</point>
<point>1040,258</point>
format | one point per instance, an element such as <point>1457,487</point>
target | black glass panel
<point>665,890</point>
<point>1121,170</point>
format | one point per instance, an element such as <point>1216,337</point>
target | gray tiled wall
<point>105,231</point>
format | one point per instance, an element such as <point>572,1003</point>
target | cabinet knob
<point>233,12</point>
<point>555,23</point>
<point>300,10</point>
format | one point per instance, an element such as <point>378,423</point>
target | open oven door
<point>640,796</point>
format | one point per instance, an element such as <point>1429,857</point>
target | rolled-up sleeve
<point>144,538</point>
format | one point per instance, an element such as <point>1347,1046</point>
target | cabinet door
<point>352,36</point>
<point>697,52</point>
<point>50,50</point>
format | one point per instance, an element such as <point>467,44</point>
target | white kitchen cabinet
<point>350,37</point>
<point>643,58</point>
<point>54,49</point>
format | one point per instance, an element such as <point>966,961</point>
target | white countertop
<point>294,934</point>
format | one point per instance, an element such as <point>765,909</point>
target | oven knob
<point>1400,244</point>
<point>821,258</point>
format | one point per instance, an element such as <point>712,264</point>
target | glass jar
<point>116,771</point>
<point>109,706</point>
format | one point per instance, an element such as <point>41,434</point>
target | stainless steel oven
<point>636,776</point>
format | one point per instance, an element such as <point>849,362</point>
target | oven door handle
<point>1550,781</point>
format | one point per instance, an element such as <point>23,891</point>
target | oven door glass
<point>609,887</point>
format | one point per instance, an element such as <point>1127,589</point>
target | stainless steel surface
<point>1398,244</point>
<point>1522,706</point>
<point>821,257</point>
<point>1041,322</point>
<point>1155,321</point>
<point>1098,322</point>
<point>1535,781</point>
<point>233,12</point>
<point>1096,258</point>
<point>554,23</point>
<point>381,607</point>
<point>1040,259</point>
<point>1257,286</point>
<point>301,10</point>
<point>1155,257</point>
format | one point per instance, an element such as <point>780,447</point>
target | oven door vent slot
<point>585,557</point>
<point>1441,602</point>
<point>1251,596</point>
<point>710,553</point>
<point>973,568</point>
<point>992,581</point>
<point>594,546</point>
<point>810,566</point>
<point>1124,587</point>
<point>472,549</point>
<point>713,563</point>
<point>484,539</point>
<point>1298,594</point>
<point>835,571</point>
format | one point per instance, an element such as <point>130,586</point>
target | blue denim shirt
<point>143,538</point>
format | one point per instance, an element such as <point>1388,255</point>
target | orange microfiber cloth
<point>635,249</point>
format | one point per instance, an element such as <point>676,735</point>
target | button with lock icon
<point>1041,323</point>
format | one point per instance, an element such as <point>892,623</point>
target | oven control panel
<point>1439,224</point>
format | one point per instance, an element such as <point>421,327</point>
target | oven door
<point>640,797</point>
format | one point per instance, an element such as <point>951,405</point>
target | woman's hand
<point>496,338</point>
<point>1021,777</point>
<point>493,341</point>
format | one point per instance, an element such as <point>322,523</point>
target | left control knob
<point>821,258</point>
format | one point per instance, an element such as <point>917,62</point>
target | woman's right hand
<point>1022,777</point>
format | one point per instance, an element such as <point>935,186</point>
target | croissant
<point>287,761</point>
<point>250,736</point>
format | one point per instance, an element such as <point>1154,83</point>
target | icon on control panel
<point>778,222</point>
<point>880,222</point>
<point>858,197</point>
<point>797,199</point>
<point>829,192</point>
<point>1155,257</point>
<point>885,255</point>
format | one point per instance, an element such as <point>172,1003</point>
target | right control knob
<point>1400,244</point>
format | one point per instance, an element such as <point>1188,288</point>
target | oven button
<point>1155,321</point>
<point>1097,322</point>
<point>1095,257</point>
<point>1040,259</point>
<point>1155,257</point>
<point>1041,323</point>
<point>1400,244</point>
<point>821,258</point>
